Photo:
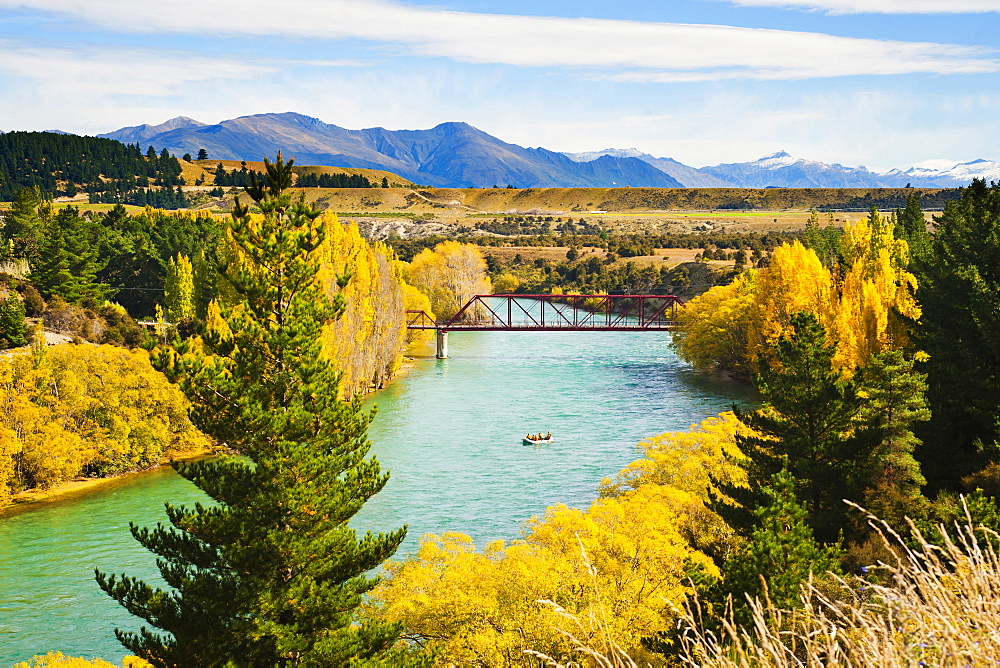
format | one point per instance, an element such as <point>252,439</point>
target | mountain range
<point>459,155</point>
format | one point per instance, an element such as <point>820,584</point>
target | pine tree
<point>911,226</point>
<point>808,421</point>
<point>781,551</point>
<point>70,259</point>
<point>26,222</point>
<point>13,327</point>
<point>894,401</point>
<point>959,290</point>
<point>271,573</point>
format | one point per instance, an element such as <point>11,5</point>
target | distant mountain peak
<point>587,156</point>
<point>457,154</point>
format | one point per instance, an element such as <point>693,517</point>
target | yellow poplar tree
<point>793,282</point>
<point>877,290</point>
<point>450,275</point>
<point>178,290</point>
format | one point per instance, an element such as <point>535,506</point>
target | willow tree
<point>271,572</point>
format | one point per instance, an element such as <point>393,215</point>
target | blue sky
<point>884,83</point>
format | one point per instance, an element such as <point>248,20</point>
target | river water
<point>449,430</point>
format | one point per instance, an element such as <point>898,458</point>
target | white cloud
<point>631,50</point>
<point>107,71</point>
<point>879,6</point>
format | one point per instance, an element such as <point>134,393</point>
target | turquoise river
<point>450,432</point>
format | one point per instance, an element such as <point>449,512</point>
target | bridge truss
<point>557,313</point>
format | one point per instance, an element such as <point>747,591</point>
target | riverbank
<point>82,484</point>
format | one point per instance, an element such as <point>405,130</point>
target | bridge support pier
<point>442,344</point>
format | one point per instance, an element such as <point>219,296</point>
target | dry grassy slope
<point>204,169</point>
<point>583,200</point>
<point>664,199</point>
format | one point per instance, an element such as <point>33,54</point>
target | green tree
<point>271,573</point>
<point>894,400</point>
<point>781,551</point>
<point>25,223</point>
<point>202,154</point>
<point>178,290</point>
<point>70,259</point>
<point>13,328</point>
<point>808,421</point>
<point>959,291</point>
<point>910,225</point>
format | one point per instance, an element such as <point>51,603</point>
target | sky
<point>880,83</point>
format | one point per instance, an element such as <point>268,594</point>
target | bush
<point>34,305</point>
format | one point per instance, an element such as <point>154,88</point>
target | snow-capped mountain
<point>781,170</point>
<point>948,173</point>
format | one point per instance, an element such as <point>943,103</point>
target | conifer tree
<point>271,573</point>
<point>13,327</point>
<point>781,551</point>
<point>959,290</point>
<point>911,226</point>
<point>70,259</point>
<point>894,401</point>
<point>808,421</point>
<point>25,223</point>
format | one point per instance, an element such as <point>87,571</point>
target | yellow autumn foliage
<point>86,409</point>
<point>876,292</point>
<point>624,559</point>
<point>622,563</point>
<point>690,461</point>
<point>59,660</point>
<point>733,327</point>
<point>450,275</point>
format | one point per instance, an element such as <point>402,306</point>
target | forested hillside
<point>63,164</point>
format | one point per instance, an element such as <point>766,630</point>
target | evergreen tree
<point>959,291</point>
<point>781,551</point>
<point>13,328</point>
<point>202,154</point>
<point>25,223</point>
<point>270,574</point>
<point>808,421</point>
<point>70,259</point>
<point>894,401</point>
<point>911,226</point>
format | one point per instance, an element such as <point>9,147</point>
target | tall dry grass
<point>938,605</point>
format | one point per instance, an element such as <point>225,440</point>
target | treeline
<point>244,176</point>
<point>340,180</point>
<point>61,164</point>
<point>164,198</point>
<point>594,275</point>
<point>238,178</point>
<point>91,257</point>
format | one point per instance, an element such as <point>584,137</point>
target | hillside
<point>64,164</point>
<point>203,171</point>
<point>558,201</point>
<point>449,154</point>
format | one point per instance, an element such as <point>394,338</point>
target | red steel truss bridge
<point>554,313</point>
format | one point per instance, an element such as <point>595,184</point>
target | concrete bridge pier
<point>442,344</point>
